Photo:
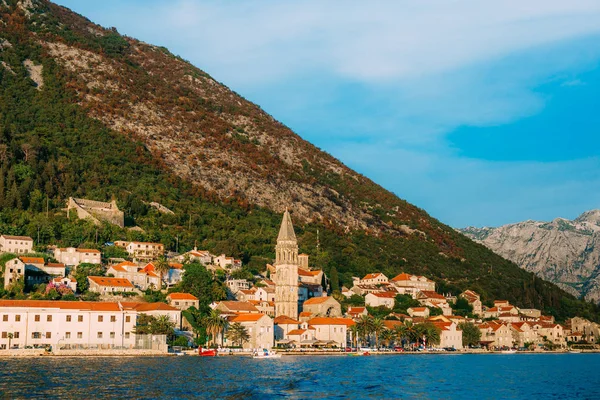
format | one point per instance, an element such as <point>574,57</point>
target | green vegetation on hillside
<point>50,150</point>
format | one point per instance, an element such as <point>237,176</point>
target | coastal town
<point>291,307</point>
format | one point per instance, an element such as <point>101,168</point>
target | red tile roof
<point>430,294</point>
<point>109,281</point>
<point>296,332</point>
<point>32,260</point>
<point>305,272</point>
<point>247,317</point>
<point>285,320</point>
<point>372,276</point>
<point>331,321</point>
<point>239,306</point>
<point>67,305</point>
<point>318,300</point>
<point>87,251</point>
<point>385,295</point>
<point>181,296</point>
<point>26,238</point>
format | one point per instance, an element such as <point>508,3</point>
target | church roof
<point>286,232</point>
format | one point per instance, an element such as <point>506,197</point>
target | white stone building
<point>72,256</point>
<point>16,244</point>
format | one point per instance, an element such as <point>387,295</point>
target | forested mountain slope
<point>86,112</point>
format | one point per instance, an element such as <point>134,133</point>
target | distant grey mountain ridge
<point>566,252</point>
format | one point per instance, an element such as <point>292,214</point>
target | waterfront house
<point>329,329</point>
<point>496,335</point>
<point>75,324</point>
<point>259,327</point>
<point>283,325</point>
<point>450,335</point>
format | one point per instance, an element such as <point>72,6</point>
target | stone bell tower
<point>286,270</point>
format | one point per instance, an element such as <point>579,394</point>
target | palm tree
<point>377,326</point>
<point>354,329</point>
<point>365,327</point>
<point>215,324</point>
<point>10,338</point>
<point>386,337</point>
<point>432,333</point>
<point>400,334</point>
<point>162,267</point>
<point>238,333</point>
<point>410,332</point>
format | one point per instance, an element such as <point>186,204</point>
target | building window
<point>79,335</point>
<point>68,318</point>
<point>127,334</point>
<point>67,335</point>
<point>113,318</point>
<point>16,335</point>
<point>4,335</point>
<point>5,318</point>
<point>100,318</point>
<point>48,335</point>
<point>36,335</point>
<point>99,335</point>
<point>37,318</point>
<point>80,318</point>
<point>128,318</point>
<point>112,335</point>
<point>49,318</point>
<point>17,318</point>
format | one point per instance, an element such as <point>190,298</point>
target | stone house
<point>376,278</point>
<point>356,312</point>
<point>66,281</point>
<point>283,325</point>
<point>474,300</point>
<point>329,329</point>
<point>13,270</point>
<point>323,306</point>
<point>523,333</point>
<point>386,299</point>
<point>414,282</point>
<point>260,329</point>
<point>72,256</point>
<point>144,251</point>
<point>450,335</point>
<point>183,301</point>
<point>236,307</point>
<point>142,278</point>
<point>422,312</point>
<point>16,244</point>
<point>103,284</point>
<point>496,335</point>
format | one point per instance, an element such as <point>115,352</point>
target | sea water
<point>449,376</point>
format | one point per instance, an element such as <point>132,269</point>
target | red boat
<point>207,352</point>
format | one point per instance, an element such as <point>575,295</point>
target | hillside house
<point>16,244</point>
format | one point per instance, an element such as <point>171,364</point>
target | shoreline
<point>287,354</point>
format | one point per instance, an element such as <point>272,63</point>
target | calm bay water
<point>518,376</point>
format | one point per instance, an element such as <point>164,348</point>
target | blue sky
<point>481,113</point>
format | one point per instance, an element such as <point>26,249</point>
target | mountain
<point>89,113</point>
<point>562,251</point>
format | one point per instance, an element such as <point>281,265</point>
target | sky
<point>482,113</point>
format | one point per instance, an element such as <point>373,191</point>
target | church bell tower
<point>286,270</point>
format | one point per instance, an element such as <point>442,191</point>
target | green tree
<point>162,267</point>
<point>334,279</point>
<point>215,324</point>
<point>471,335</point>
<point>238,334</point>
<point>377,326</point>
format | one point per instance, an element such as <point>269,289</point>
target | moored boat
<point>207,352</point>
<point>266,354</point>
<point>508,351</point>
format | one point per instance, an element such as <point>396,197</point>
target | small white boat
<point>266,354</point>
<point>574,351</point>
<point>508,351</point>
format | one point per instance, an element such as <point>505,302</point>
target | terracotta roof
<point>418,309</point>
<point>391,324</point>
<point>386,295</point>
<point>176,265</point>
<point>87,251</point>
<point>356,310</point>
<point>118,267</point>
<point>285,320</point>
<point>305,272</point>
<point>155,244</point>
<point>372,276</point>
<point>55,265</point>
<point>142,307</point>
<point>66,305</point>
<point>247,317</point>
<point>32,260</point>
<point>108,281</point>
<point>181,296</point>
<point>239,306</point>
<point>430,294</point>
<point>402,277</point>
<point>27,238</point>
<point>305,314</point>
<point>331,321</point>
<point>296,332</point>
<point>317,300</point>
